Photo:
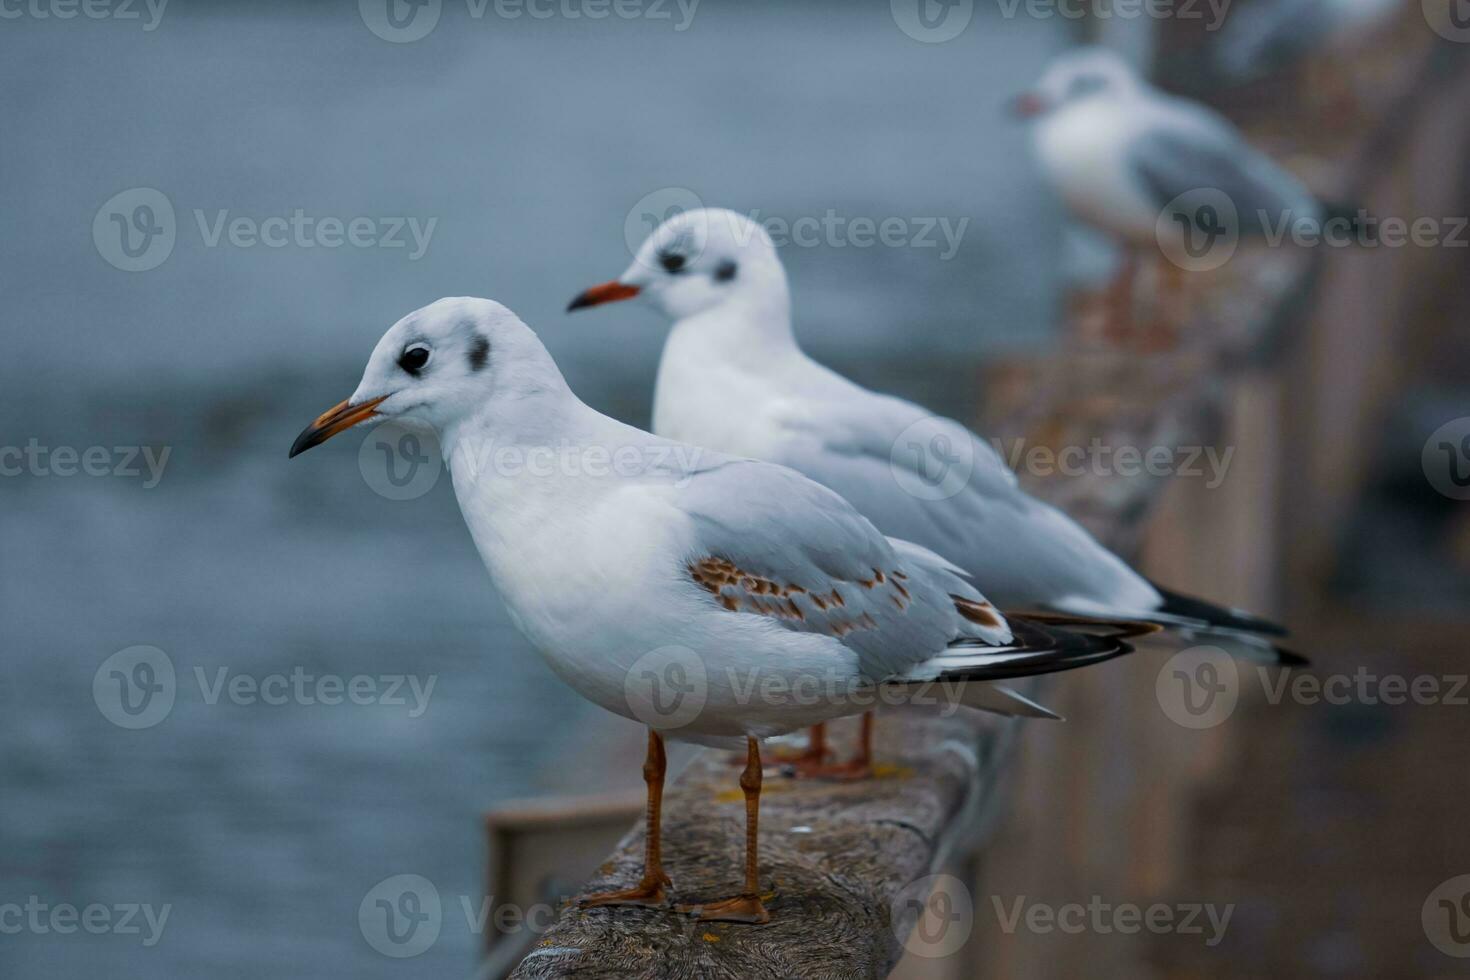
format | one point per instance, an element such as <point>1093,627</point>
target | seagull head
<point>1087,74</point>
<point>697,261</point>
<point>438,365</point>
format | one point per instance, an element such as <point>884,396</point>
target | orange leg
<point>816,746</point>
<point>815,752</point>
<point>865,745</point>
<point>650,890</point>
<point>745,907</point>
<point>860,767</point>
<point>1119,302</point>
<point>1171,308</point>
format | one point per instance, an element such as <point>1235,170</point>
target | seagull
<point>755,577</point>
<point>1151,170</point>
<point>732,377</point>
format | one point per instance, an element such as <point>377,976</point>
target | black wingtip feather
<point>1188,607</point>
<point>1286,658</point>
<point>1056,649</point>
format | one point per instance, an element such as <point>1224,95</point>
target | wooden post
<point>838,860</point>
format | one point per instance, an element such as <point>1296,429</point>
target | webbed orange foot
<point>650,893</point>
<point>741,908</point>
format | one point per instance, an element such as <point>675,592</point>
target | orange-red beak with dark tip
<point>603,292</point>
<point>1027,105</point>
<point>338,418</point>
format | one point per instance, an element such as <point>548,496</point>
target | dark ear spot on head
<point>479,352</point>
<point>726,270</point>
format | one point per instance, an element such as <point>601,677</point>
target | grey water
<point>530,144</point>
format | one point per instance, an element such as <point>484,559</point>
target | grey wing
<point>1197,150</point>
<point>1265,35</point>
<point>927,454</point>
<point>932,481</point>
<point>770,542</point>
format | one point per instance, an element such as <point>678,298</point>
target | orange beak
<point>338,418</point>
<point>604,292</point>
<point>1027,105</point>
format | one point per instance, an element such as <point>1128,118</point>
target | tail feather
<point>1039,647</point>
<point>1001,700</point>
<point>1203,613</point>
<point>1246,646</point>
<point>1243,634</point>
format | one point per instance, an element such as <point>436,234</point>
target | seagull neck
<point>738,333</point>
<point>527,470</point>
<point>536,417</point>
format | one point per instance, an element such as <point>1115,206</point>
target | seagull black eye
<point>672,261</point>
<point>726,270</point>
<point>1085,84</point>
<point>414,358</point>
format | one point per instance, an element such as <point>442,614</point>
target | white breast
<point>1083,150</point>
<point>701,400</point>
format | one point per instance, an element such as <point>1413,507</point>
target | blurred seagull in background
<point>733,378</point>
<point>1153,171</point>
<point>1265,36</point>
<point>742,572</point>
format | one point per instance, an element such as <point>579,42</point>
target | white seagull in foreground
<point>1151,170</point>
<point>746,574</point>
<point>733,378</point>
